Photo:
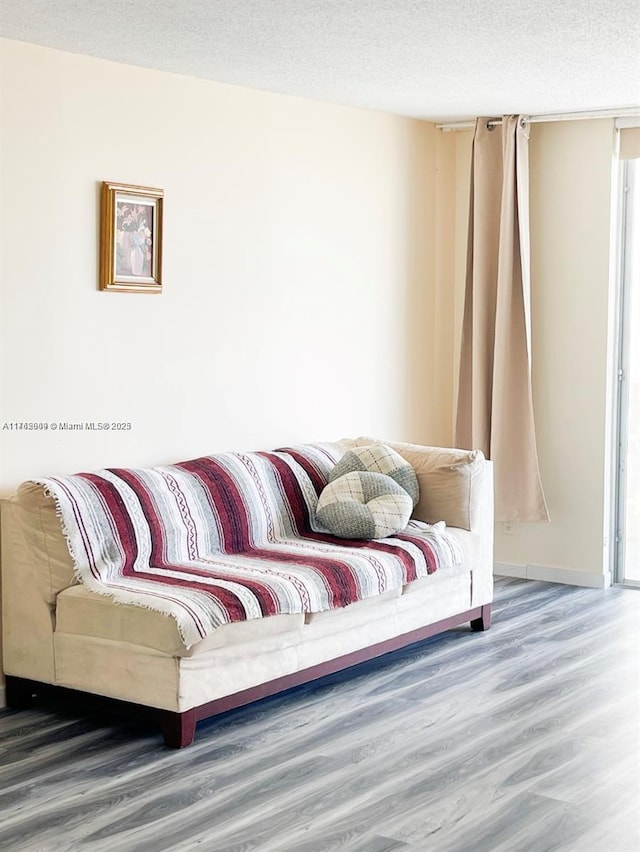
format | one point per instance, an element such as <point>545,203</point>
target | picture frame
<point>131,238</point>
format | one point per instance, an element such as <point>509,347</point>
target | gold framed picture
<point>131,238</point>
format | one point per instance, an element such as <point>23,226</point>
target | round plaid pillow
<point>379,458</point>
<point>364,505</point>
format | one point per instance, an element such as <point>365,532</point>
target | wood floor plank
<point>525,738</point>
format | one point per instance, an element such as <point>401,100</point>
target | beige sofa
<point>57,631</point>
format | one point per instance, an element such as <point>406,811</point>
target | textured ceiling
<point>425,58</point>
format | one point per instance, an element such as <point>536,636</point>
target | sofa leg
<point>18,692</point>
<point>178,729</point>
<point>484,622</point>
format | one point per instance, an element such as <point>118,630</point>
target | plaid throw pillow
<point>364,505</point>
<point>379,458</point>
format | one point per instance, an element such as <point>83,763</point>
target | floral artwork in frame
<point>131,238</point>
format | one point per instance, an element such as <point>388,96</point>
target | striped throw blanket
<point>230,537</point>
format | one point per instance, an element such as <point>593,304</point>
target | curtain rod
<point>552,116</point>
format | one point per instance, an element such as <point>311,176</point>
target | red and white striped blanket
<point>230,537</point>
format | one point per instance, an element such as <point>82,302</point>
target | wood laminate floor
<point>522,739</point>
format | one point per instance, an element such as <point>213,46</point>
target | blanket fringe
<point>117,596</point>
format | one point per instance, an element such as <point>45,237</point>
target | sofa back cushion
<point>447,480</point>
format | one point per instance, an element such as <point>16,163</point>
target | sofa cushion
<point>364,505</point>
<point>379,458</point>
<point>84,613</point>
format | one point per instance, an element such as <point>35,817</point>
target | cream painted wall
<point>301,250</point>
<point>571,167</point>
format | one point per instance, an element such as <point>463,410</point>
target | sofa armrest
<point>456,486</point>
<point>28,617</point>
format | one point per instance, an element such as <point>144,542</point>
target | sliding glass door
<point>628,501</point>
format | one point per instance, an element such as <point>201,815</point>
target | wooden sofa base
<point>178,729</point>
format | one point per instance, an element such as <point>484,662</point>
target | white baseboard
<point>549,574</point>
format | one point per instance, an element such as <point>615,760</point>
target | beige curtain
<point>495,408</point>
<point>629,143</point>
